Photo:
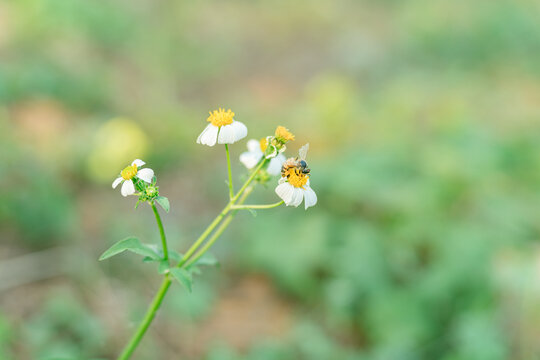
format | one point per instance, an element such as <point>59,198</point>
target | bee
<point>298,163</point>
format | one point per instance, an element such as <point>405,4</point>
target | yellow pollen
<point>284,134</point>
<point>129,172</point>
<point>296,178</point>
<point>221,117</point>
<point>263,144</point>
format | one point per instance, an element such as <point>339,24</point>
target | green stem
<point>150,314</point>
<point>231,190</point>
<point>161,232</point>
<point>269,206</point>
<point>249,180</point>
<point>218,232</point>
<point>204,235</point>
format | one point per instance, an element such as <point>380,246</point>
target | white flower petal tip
<point>138,162</point>
<point>146,174</point>
<point>208,136</point>
<point>117,182</point>
<point>229,134</point>
<point>293,196</point>
<point>251,157</point>
<point>127,188</point>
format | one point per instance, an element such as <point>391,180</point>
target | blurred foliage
<point>423,121</point>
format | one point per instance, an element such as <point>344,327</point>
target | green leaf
<point>164,203</point>
<point>183,277</point>
<point>163,266</point>
<point>132,244</point>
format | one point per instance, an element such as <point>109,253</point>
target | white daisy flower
<point>293,187</point>
<point>222,129</point>
<point>129,173</point>
<point>254,154</point>
<point>292,193</point>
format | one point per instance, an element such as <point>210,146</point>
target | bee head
<point>303,163</point>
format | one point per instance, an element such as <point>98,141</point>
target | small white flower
<point>130,172</point>
<point>222,129</point>
<point>293,195</point>
<point>254,154</point>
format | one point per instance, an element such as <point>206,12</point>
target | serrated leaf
<point>132,244</point>
<point>183,277</point>
<point>163,266</point>
<point>164,203</point>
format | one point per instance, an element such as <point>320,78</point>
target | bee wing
<point>302,153</point>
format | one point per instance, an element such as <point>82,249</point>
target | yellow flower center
<point>129,172</point>
<point>263,144</point>
<point>221,117</point>
<point>297,178</point>
<point>283,134</point>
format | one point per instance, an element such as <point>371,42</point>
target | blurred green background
<point>423,119</point>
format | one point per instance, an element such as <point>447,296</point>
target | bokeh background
<point>424,122</point>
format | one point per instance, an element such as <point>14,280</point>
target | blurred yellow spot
<point>221,117</point>
<point>296,178</point>
<point>263,143</point>
<point>129,172</point>
<point>117,142</point>
<point>283,134</point>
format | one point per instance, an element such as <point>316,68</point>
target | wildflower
<point>283,135</point>
<point>276,144</point>
<point>293,187</point>
<point>222,129</point>
<point>256,150</point>
<point>131,173</point>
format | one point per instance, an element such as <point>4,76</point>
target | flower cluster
<point>293,186</point>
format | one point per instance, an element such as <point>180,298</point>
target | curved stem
<point>161,232</point>
<point>150,314</point>
<point>231,190</point>
<point>245,207</point>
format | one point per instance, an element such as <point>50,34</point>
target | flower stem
<point>245,207</point>
<point>248,181</point>
<point>150,314</point>
<point>161,232</point>
<point>231,190</point>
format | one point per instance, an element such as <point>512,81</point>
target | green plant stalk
<point>220,217</point>
<point>161,232</point>
<point>245,207</point>
<point>231,189</point>
<point>218,231</point>
<point>150,314</point>
<point>156,303</point>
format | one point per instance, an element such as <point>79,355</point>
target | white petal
<point>127,188</point>
<point>253,145</point>
<point>250,159</point>
<point>146,174</point>
<point>285,192</point>
<point>208,135</point>
<point>282,180</point>
<point>310,198</point>
<point>138,162</point>
<point>297,197</point>
<point>226,134</point>
<point>116,182</point>
<point>240,130</point>
<point>274,168</point>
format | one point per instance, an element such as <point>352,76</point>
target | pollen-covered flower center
<point>129,172</point>
<point>221,117</point>
<point>283,135</point>
<point>296,178</point>
<point>263,144</point>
